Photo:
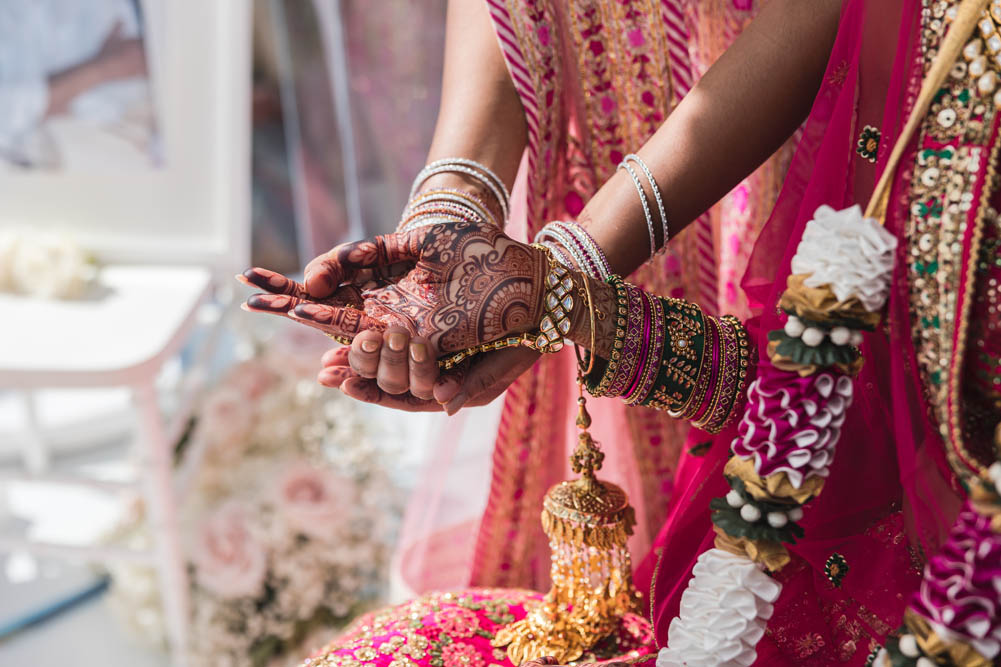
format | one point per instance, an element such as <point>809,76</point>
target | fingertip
<point>336,356</point>
<point>445,389</point>
<point>331,378</point>
<point>453,406</point>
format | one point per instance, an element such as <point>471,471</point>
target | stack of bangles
<point>442,206</point>
<point>669,355</point>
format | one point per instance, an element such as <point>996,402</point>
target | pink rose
<point>228,560</point>
<point>313,501</point>
<point>226,420</point>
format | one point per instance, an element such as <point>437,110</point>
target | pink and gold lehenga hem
<point>455,629</point>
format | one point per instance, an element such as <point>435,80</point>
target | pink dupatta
<point>889,469</point>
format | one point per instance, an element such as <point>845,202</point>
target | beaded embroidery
<point>953,159</point>
<point>868,143</point>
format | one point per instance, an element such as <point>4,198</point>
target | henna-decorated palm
<point>468,284</point>
<point>458,286</point>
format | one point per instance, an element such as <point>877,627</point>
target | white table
<point>137,320</point>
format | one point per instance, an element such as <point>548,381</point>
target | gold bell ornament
<point>588,522</point>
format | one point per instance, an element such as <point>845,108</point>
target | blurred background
<point>175,489</point>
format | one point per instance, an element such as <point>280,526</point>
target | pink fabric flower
<point>791,424</point>
<point>960,591</point>
<point>228,560</point>
<point>313,501</point>
<point>636,38</point>
<point>462,655</point>
<point>458,622</point>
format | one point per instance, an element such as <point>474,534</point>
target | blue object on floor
<point>52,609</point>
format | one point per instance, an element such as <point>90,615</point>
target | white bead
<point>777,519</point>
<point>795,514</point>
<point>988,82</point>
<point>813,336</point>
<point>973,49</point>
<point>841,335</point>
<point>978,66</point>
<point>734,499</point>
<point>909,646</point>
<point>947,117</point>
<point>856,338</point>
<point>925,662</point>
<point>750,513</point>
<point>929,176</point>
<point>995,471</point>
<point>794,327</point>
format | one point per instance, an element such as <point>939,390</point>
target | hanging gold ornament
<point>588,522</point>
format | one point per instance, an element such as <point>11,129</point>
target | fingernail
<point>418,352</point>
<point>456,403</point>
<point>369,346</point>
<point>397,342</point>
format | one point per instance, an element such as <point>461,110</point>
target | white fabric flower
<point>852,254</point>
<point>723,613</point>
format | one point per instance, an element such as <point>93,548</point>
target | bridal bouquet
<point>290,519</point>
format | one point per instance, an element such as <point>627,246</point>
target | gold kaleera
<point>588,522</point>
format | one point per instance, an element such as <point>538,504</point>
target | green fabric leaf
<point>825,354</point>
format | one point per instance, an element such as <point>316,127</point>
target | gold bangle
<point>594,339</point>
<point>618,343</point>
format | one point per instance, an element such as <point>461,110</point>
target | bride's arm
<point>748,103</point>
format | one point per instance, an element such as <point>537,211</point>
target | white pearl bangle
<point>478,171</point>
<point>656,192</point>
<point>646,208</point>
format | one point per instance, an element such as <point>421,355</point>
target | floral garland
<point>954,618</point>
<point>787,438</point>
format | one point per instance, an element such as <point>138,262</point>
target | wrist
<point>603,302</point>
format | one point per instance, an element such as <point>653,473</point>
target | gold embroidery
<point>952,161</point>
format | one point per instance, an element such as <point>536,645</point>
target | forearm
<point>738,114</point>
<point>481,117</point>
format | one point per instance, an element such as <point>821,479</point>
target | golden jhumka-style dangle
<point>588,522</point>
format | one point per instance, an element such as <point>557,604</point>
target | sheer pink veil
<point>888,455</point>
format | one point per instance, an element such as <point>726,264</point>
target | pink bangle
<point>651,367</point>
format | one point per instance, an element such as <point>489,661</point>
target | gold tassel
<point>588,522</point>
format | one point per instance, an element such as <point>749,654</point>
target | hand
<point>362,375</point>
<point>285,295</point>
<point>469,284</point>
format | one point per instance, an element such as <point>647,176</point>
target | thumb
<point>481,377</point>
